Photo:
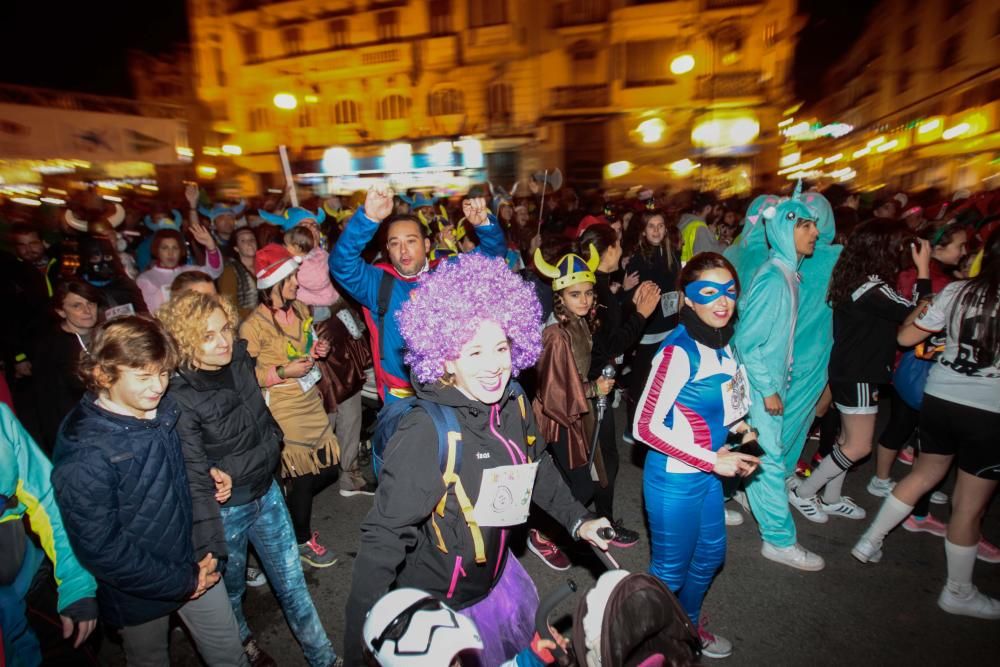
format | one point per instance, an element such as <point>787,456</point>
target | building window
<point>337,32</point>
<point>387,26</point>
<point>950,52</point>
<point>770,34</point>
<point>440,17</point>
<point>346,112</point>
<point>445,102</point>
<point>257,119</point>
<point>909,38</point>
<point>292,37</point>
<point>647,63</point>
<point>483,13</point>
<point>306,117</point>
<point>500,103</point>
<point>250,43</point>
<point>220,71</point>
<point>392,107</point>
<point>902,81</point>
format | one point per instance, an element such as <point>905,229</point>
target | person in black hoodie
<point>120,483</point>
<point>468,327</point>
<point>621,321</point>
<point>654,259</point>
<point>227,433</point>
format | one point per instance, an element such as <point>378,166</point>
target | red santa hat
<point>590,221</point>
<point>272,264</point>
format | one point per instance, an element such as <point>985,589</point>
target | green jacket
<point>24,478</point>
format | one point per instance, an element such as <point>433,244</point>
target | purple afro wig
<point>445,310</point>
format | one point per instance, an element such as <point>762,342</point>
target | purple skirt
<point>506,617</point>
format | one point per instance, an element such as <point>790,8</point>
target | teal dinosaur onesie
<point>768,313</point>
<point>813,333</point>
<point>749,250</point>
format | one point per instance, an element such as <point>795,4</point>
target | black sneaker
<point>624,537</point>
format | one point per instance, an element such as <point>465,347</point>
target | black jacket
<point>55,358</point>
<point>655,268</point>
<point>397,539</point>
<point>619,330</point>
<point>226,428</point>
<point>124,499</point>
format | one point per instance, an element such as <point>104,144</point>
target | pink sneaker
<point>926,525</point>
<point>905,456</point>
<point>988,552</point>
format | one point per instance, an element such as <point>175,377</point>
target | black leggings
<point>299,493</point>
<point>604,498</point>
<point>903,422</point>
<point>578,479</point>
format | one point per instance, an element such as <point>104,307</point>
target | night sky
<point>82,46</point>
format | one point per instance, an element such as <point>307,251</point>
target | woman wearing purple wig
<point>469,327</point>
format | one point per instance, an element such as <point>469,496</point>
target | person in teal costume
<point>813,333</point>
<point>768,317</point>
<point>749,250</point>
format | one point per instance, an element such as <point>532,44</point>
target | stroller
<point>641,624</point>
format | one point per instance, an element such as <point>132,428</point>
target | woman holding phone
<point>694,398</point>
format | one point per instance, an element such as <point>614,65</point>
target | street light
<point>682,64</point>
<point>285,101</point>
<point>651,130</point>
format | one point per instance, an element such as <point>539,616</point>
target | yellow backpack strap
<point>451,480</point>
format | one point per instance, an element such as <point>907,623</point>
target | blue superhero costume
<point>364,281</point>
<point>768,313</point>
<point>682,416</point>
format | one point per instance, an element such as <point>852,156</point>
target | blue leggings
<point>687,527</point>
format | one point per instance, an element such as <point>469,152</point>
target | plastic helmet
<point>409,627</point>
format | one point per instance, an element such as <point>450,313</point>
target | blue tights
<point>687,530</point>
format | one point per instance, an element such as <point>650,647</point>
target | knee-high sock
<point>890,515</point>
<point>961,561</point>
<point>832,492</point>
<point>830,467</point>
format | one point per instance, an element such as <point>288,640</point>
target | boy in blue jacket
<point>121,485</point>
<point>407,249</point>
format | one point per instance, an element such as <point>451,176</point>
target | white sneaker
<point>256,577</point>
<point>880,488</point>
<point>867,551</point>
<point>939,498</point>
<point>807,507</point>
<point>741,498</point>
<point>714,646</point>
<point>973,604</point>
<point>845,507</point>
<point>733,518</point>
<point>794,556</point>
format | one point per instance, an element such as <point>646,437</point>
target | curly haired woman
<point>469,326</point>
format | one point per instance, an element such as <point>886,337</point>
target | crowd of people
<point>179,387</point>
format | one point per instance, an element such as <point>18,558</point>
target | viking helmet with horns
<point>569,270</point>
<point>102,226</point>
<point>293,216</point>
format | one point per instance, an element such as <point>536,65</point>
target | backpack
<point>449,446</point>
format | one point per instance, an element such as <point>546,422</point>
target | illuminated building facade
<point>920,90</point>
<point>610,91</point>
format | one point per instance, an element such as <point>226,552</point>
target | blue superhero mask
<point>715,291</point>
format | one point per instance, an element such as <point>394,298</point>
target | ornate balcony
<point>732,84</point>
<point>570,98</point>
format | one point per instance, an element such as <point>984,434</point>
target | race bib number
<point>505,495</point>
<point>670,303</point>
<point>736,397</point>
<point>119,311</point>
<point>309,380</point>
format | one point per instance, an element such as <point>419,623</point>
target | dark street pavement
<point>848,614</point>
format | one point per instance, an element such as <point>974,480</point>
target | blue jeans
<point>687,529</point>
<point>266,524</point>
<point>20,645</point>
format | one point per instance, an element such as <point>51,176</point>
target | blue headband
<point>693,291</point>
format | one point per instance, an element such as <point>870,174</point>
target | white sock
<point>820,477</point>
<point>832,492</point>
<point>893,512</point>
<point>961,561</point>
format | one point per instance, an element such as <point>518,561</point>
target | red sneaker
<point>926,525</point>
<point>547,550</point>
<point>905,456</point>
<point>988,552</point>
